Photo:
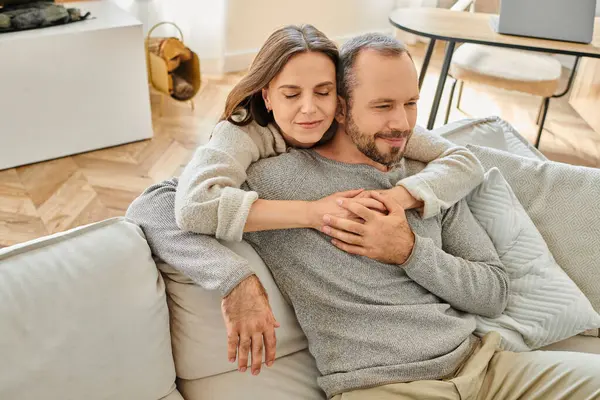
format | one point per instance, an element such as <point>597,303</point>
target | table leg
<point>441,82</point>
<point>571,79</point>
<point>426,62</point>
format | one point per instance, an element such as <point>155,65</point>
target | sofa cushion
<point>483,131</point>
<point>198,332</point>
<point>562,200</point>
<point>293,377</point>
<point>579,344</point>
<point>84,316</point>
<point>544,305</point>
<point>491,132</point>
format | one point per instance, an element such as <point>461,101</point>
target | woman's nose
<point>308,105</point>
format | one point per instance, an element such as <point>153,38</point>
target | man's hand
<point>249,321</point>
<point>329,206</point>
<point>386,238</point>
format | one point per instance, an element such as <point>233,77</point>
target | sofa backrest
<point>84,316</point>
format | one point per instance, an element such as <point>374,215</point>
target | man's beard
<point>366,143</point>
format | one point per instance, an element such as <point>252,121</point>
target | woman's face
<point>303,98</point>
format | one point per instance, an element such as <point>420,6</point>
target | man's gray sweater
<point>367,323</point>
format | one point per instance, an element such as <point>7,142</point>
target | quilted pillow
<point>544,304</point>
<point>562,201</point>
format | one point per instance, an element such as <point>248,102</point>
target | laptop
<point>567,20</point>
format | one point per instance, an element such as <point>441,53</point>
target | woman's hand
<point>398,194</point>
<point>329,205</point>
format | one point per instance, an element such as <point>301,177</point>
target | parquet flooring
<point>53,196</point>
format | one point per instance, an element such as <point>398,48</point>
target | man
<point>390,314</point>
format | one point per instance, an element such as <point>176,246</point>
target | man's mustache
<point>394,135</point>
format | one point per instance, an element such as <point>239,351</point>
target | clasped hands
<point>368,223</point>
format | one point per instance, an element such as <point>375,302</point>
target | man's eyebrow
<point>382,100</point>
<point>327,83</point>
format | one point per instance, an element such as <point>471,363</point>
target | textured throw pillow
<point>564,203</point>
<point>490,132</point>
<point>483,131</point>
<point>544,305</point>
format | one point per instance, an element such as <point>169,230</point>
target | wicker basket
<point>160,69</point>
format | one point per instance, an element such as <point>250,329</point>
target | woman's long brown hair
<point>270,60</point>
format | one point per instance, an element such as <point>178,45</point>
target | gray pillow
<point>564,203</point>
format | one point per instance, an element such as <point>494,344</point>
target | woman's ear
<point>340,114</point>
<point>265,96</point>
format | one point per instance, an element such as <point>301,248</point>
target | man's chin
<point>391,155</point>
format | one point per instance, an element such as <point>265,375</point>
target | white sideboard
<point>73,88</point>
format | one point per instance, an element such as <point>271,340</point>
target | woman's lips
<point>310,125</point>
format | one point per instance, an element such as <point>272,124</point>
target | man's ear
<point>265,96</point>
<point>340,114</point>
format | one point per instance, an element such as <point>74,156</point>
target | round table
<point>466,27</point>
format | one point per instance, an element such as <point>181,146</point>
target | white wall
<point>226,34</point>
<point>202,23</point>
<point>249,23</point>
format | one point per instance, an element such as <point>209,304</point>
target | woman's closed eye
<point>294,95</point>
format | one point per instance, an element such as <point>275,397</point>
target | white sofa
<point>84,314</point>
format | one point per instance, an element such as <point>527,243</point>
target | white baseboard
<point>211,66</point>
<point>241,60</point>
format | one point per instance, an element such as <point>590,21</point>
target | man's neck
<point>341,148</point>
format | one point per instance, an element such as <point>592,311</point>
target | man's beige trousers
<point>490,373</point>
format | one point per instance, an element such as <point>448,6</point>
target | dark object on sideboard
<point>19,15</point>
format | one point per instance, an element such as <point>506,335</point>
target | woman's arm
<point>451,173</point>
<point>209,199</point>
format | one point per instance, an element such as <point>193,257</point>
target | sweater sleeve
<point>466,272</point>
<point>201,258</point>
<point>209,199</point>
<point>452,171</point>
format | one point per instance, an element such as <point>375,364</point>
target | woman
<point>288,98</point>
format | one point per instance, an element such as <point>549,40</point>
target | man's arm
<point>201,258</point>
<point>466,272</point>
<point>246,311</point>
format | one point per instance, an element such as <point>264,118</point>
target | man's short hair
<point>383,44</point>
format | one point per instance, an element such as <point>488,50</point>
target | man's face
<point>383,110</point>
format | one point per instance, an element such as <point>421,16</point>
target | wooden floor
<point>57,195</point>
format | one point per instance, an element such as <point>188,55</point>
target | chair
<point>523,71</point>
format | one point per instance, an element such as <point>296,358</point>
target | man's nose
<point>399,121</point>
<point>308,105</point>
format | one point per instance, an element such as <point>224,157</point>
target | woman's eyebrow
<point>327,83</point>
<point>322,84</point>
<point>288,87</point>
